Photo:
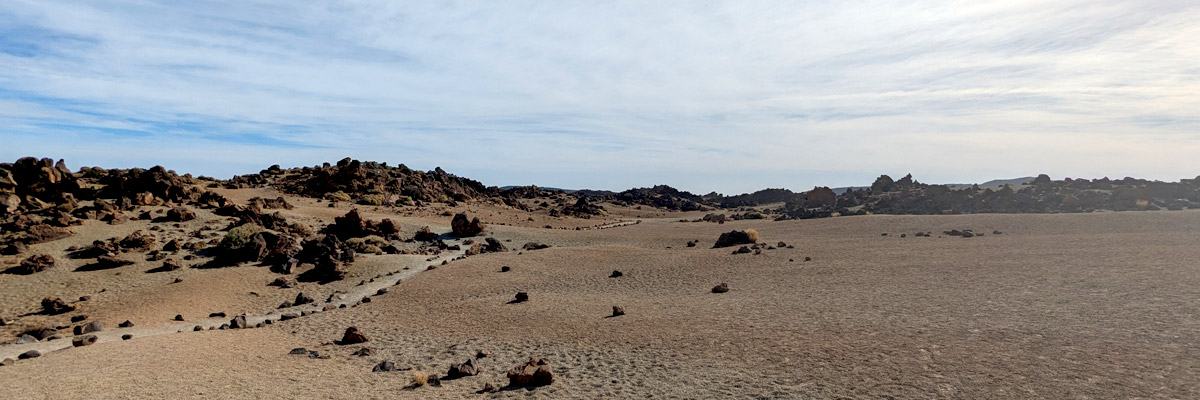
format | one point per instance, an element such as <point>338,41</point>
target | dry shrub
<point>420,378</point>
<point>753,234</point>
<point>338,196</point>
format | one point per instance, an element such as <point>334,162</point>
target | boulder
<point>618,311</point>
<point>353,336</point>
<point>29,354</point>
<point>494,246</point>
<point>536,372</point>
<point>54,305</point>
<point>521,297</point>
<point>464,227</point>
<point>386,366</point>
<point>84,340</point>
<point>45,233</point>
<point>180,214</point>
<point>137,241</point>
<point>302,299</point>
<point>535,246</point>
<point>238,322</point>
<point>34,264</point>
<point>425,235</point>
<point>94,326</point>
<point>108,261</point>
<point>467,368</point>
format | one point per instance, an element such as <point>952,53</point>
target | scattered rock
<point>467,368</point>
<point>179,317</point>
<point>302,299</point>
<point>505,269</point>
<point>24,338</point>
<point>742,250</point>
<point>722,288</point>
<point>126,336</point>
<point>616,274</point>
<point>78,318</point>
<point>364,352</point>
<point>533,373</point>
<point>126,324</point>
<point>85,340</point>
<point>353,336</point>
<point>34,264</point>
<point>618,311</point>
<point>490,387</point>
<point>198,328</point>
<point>55,306</point>
<point>238,322</point>
<point>29,354</point>
<point>386,366</point>
<point>94,326</point>
<point>180,214</point>
<point>733,238</point>
<point>299,351</point>
<point>483,353</point>
<point>521,297</point>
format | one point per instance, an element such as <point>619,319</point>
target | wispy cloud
<point>729,96</point>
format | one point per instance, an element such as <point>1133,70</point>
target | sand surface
<point>1087,306</point>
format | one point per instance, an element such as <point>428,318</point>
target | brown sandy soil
<point>1097,305</point>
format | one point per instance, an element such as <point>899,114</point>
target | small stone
<point>299,351</point>
<point>505,269</point>
<point>722,288</point>
<point>386,366</point>
<point>126,336</point>
<point>198,328</point>
<point>616,274</point>
<point>29,354</point>
<point>521,297</point>
<point>179,317</point>
<point>126,324</point>
<point>618,311</point>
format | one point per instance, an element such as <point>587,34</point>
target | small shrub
<point>371,200</point>
<point>338,196</point>
<point>753,235</point>
<point>239,236</point>
<point>405,201</point>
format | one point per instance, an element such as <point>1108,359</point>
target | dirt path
<point>352,297</point>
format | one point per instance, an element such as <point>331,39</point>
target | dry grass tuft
<point>420,378</point>
<point>753,234</point>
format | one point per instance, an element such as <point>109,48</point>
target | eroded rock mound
<point>353,336</point>
<point>34,264</point>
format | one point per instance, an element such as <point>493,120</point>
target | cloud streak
<point>730,96</point>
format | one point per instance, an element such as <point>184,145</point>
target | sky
<point>701,95</point>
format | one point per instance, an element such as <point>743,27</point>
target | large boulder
<point>466,227</point>
<point>180,214</point>
<point>821,197</point>
<point>533,373</point>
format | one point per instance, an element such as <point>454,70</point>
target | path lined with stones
<point>352,297</point>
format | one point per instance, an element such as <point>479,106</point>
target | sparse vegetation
<point>419,378</point>
<point>239,236</point>
<point>338,196</point>
<point>372,200</point>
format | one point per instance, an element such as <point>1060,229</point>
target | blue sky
<point>725,96</point>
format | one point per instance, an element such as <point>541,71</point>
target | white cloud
<point>730,96</point>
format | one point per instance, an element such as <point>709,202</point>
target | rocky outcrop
<point>34,264</point>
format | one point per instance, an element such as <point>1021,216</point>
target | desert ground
<point>1056,306</point>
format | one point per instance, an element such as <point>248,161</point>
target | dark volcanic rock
<point>464,227</point>
<point>721,288</point>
